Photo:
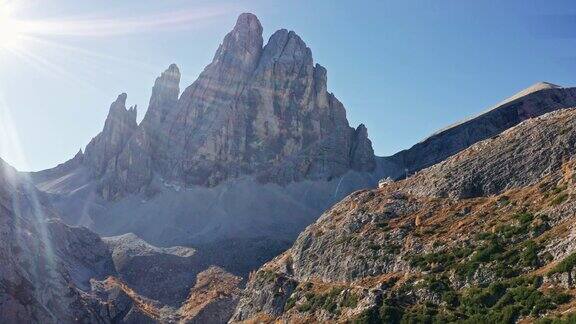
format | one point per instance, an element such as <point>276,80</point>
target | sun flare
<point>11,30</point>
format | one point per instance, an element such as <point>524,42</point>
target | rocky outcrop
<point>163,100</point>
<point>102,151</point>
<point>161,274</point>
<point>116,157</point>
<point>518,157</point>
<point>213,298</point>
<point>424,247</point>
<point>254,107</point>
<point>532,102</point>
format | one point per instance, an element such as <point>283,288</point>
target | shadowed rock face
<point>46,266</point>
<point>162,274</point>
<point>54,273</point>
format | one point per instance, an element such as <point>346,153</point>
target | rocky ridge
<point>55,273</point>
<point>425,249</point>
<point>536,100</point>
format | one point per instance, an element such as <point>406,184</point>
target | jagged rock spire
<point>118,128</point>
<point>164,97</point>
<point>242,46</point>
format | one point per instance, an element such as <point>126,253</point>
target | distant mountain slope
<point>534,101</point>
<point>427,249</point>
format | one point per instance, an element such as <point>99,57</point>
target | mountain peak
<point>248,21</point>
<point>546,85</point>
<point>173,68</point>
<point>164,97</point>
<point>531,89</point>
<point>121,100</point>
<point>118,110</point>
<point>241,47</point>
<point>119,126</point>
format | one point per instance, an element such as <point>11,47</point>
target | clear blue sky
<point>404,68</point>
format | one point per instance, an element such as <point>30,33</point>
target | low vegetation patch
<point>501,302</point>
<point>331,301</point>
<point>565,265</point>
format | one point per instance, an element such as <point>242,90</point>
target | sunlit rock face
<point>380,248</point>
<point>255,110</point>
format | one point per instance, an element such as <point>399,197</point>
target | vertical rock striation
<point>255,110</point>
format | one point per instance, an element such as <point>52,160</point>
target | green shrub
<point>350,300</point>
<point>565,265</point>
<point>290,303</point>
<point>530,254</point>
<point>419,315</point>
<point>560,198</point>
<point>369,316</point>
<point>451,298</point>
<point>524,218</point>
<point>328,301</point>
<point>390,314</point>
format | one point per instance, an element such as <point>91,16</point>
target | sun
<point>11,30</point>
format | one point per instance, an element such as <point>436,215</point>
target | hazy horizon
<point>403,75</point>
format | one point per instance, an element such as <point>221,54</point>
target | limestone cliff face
<point>163,99</point>
<point>255,110</point>
<point>254,107</point>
